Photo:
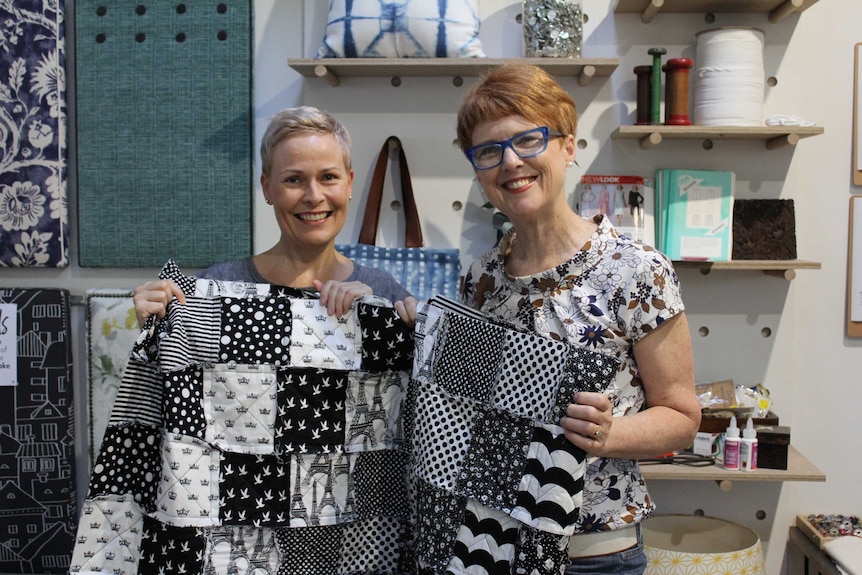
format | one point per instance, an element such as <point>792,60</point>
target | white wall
<point>807,363</point>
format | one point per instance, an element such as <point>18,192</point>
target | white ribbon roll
<point>729,77</point>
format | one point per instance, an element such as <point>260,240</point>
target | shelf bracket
<point>787,8</point>
<point>782,141</point>
<point>651,10</point>
<point>587,73</point>
<point>321,71</point>
<point>647,142</point>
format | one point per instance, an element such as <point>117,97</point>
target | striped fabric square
<point>139,398</point>
<point>190,334</point>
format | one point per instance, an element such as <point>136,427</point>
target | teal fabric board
<point>164,132</point>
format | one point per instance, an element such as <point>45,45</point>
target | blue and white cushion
<point>402,29</point>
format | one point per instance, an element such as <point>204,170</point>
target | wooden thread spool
<point>644,94</point>
<point>655,114</point>
<point>676,99</point>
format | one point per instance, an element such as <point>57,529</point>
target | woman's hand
<point>338,297</point>
<point>588,421</point>
<point>152,299</point>
<point>407,310</point>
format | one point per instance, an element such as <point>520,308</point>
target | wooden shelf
<point>777,9</point>
<point>332,69</point>
<point>798,469</point>
<point>781,268</point>
<point>774,136</point>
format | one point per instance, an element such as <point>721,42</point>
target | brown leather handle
<point>413,230</point>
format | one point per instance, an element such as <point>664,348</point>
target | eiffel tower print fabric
<point>498,487</point>
<point>253,433</point>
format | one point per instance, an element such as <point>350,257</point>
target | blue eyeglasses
<point>525,145</point>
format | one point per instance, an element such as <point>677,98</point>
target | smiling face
<point>524,188</point>
<point>309,186</point>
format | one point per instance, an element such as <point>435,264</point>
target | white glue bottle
<point>731,445</point>
<point>748,448</point>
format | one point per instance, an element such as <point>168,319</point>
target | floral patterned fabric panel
<point>33,206</point>
<point>37,446</point>
<point>112,329</point>
<point>250,451</point>
<point>498,486</point>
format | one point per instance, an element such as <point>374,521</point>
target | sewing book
<point>629,202</point>
<point>696,214</point>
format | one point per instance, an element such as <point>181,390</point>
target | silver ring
<point>598,434</point>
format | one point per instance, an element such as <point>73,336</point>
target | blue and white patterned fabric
<point>33,215</point>
<point>402,29</point>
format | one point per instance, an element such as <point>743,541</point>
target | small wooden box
<point>712,424</point>
<point>773,441</point>
<point>811,531</point>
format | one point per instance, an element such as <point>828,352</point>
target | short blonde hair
<point>302,120</point>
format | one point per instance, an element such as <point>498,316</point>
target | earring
<point>569,164</point>
<point>268,201</point>
<point>349,198</point>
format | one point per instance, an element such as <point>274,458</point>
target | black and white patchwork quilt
<point>254,433</point>
<point>497,486</point>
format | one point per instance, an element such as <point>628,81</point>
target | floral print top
<point>607,297</point>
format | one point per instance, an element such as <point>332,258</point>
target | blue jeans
<point>632,561</point>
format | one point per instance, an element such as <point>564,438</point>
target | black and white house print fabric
<point>38,504</point>
<point>498,487</point>
<point>254,433</point>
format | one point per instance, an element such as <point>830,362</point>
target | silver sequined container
<point>552,28</point>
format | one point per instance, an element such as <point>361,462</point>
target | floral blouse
<point>607,297</point>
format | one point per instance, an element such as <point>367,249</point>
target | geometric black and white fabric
<point>498,487</point>
<point>253,433</point>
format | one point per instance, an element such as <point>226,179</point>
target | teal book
<point>697,217</point>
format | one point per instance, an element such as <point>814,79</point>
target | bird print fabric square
<point>311,410</point>
<point>168,549</point>
<point>386,341</point>
<point>254,490</point>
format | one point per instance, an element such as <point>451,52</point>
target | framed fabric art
<point>33,215</point>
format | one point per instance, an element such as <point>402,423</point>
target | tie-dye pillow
<point>402,29</point>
